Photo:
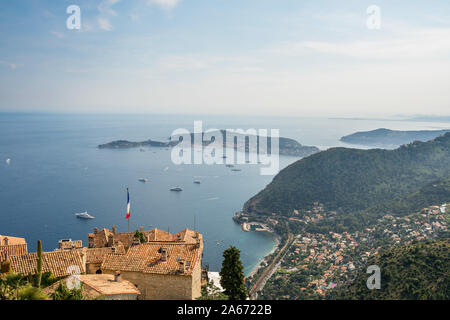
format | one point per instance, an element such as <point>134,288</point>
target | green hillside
<point>356,180</point>
<point>436,192</point>
<point>413,272</point>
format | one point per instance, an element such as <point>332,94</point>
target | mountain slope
<point>351,179</point>
<point>417,271</point>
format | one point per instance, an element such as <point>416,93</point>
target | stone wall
<point>164,287</point>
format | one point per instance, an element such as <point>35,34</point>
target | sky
<point>252,57</point>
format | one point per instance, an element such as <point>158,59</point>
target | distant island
<point>287,146</point>
<point>385,137</point>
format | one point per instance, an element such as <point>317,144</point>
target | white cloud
<point>11,65</point>
<point>166,4</point>
<point>106,11</point>
<point>57,34</point>
<point>430,43</point>
<point>104,24</point>
<point>105,7</point>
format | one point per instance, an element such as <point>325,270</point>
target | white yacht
<point>84,215</point>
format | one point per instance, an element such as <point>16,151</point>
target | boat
<point>176,189</point>
<point>197,182</point>
<point>230,166</point>
<point>144,180</point>
<point>236,170</point>
<point>84,215</point>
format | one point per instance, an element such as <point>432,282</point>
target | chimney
<point>178,237</point>
<point>5,241</point>
<point>117,277</point>
<point>95,230</point>
<point>141,229</point>
<point>91,242</point>
<point>110,240</point>
<point>114,230</point>
<point>163,254</point>
<point>182,266</point>
<point>197,242</point>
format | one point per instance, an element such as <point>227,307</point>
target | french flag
<point>128,205</point>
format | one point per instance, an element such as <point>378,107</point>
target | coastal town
<point>311,264</point>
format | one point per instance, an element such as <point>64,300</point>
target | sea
<point>51,168</point>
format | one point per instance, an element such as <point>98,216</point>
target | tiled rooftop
<point>100,239</point>
<point>68,245</point>
<point>59,263</point>
<point>97,255</point>
<point>96,285</point>
<point>147,258</point>
<point>8,241</point>
<point>13,250</point>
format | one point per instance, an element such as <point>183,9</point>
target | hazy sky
<point>266,57</point>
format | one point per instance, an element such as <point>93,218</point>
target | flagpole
<point>128,196</point>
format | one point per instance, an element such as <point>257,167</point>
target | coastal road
<point>268,271</point>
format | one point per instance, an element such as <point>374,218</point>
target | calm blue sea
<point>56,170</point>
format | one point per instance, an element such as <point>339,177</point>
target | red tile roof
<point>97,255</point>
<point>7,240</point>
<point>147,258</point>
<point>13,250</point>
<point>59,263</point>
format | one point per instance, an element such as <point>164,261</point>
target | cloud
<point>429,43</point>
<point>11,65</point>
<point>106,11</point>
<point>105,7</point>
<point>104,24</point>
<point>166,4</point>
<point>57,34</point>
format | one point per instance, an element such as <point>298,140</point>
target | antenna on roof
<point>195,222</point>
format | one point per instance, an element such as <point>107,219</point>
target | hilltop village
<point>146,265</point>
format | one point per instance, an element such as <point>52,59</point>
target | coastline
<point>275,247</point>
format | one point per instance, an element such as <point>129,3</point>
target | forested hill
<point>436,192</point>
<point>413,272</point>
<point>386,137</point>
<point>353,179</point>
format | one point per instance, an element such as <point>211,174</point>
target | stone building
<point>12,246</point>
<point>109,238</point>
<point>161,270</point>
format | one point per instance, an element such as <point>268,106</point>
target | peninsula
<point>394,138</point>
<point>287,146</point>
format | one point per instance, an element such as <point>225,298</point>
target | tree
<point>28,292</point>
<point>62,292</point>
<point>39,264</point>
<point>10,284</point>
<point>232,275</point>
<point>211,292</point>
<point>5,267</point>
<point>140,236</point>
